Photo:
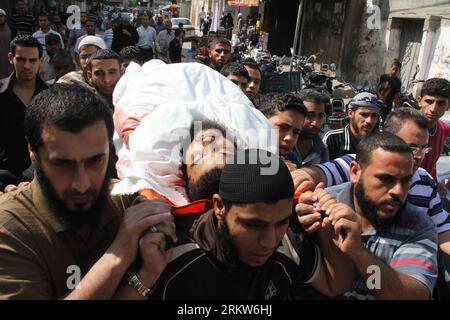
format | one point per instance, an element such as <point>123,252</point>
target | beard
<point>308,134</point>
<point>205,187</point>
<point>369,208</point>
<point>74,218</point>
<point>230,255</point>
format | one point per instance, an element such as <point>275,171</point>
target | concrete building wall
<point>439,59</point>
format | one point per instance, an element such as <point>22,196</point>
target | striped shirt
<point>340,142</point>
<point>23,24</point>
<point>408,246</point>
<point>422,194</point>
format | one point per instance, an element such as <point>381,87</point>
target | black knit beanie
<point>256,176</point>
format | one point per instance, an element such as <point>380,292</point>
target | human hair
<point>397,63</point>
<point>68,107</point>
<point>45,14</point>
<point>178,32</point>
<point>249,62</point>
<point>131,53</point>
<point>234,68</point>
<point>217,41</point>
<point>104,54</point>
<point>273,103</point>
<point>398,116</point>
<point>61,55</point>
<point>436,87</point>
<point>27,41</point>
<point>384,140</point>
<point>314,96</point>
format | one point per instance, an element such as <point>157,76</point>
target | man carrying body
<point>245,246</point>
<point>63,236</point>
<point>397,239</point>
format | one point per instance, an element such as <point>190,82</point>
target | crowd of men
<point>341,206</point>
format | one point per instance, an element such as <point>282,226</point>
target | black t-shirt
<point>175,47</point>
<point>388,87</point>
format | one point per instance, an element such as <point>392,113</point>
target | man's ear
<point>32,154</point>
<point>219,208</point>
<point>355,172</point>
<point>11,58</point>
<point>89,75</point>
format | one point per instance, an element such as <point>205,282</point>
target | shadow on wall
<point>366,57</point>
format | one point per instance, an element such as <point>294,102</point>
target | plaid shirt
<point>422,193</point>
<point>408,246</point>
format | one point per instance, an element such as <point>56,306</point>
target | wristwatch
<point>134,282</point>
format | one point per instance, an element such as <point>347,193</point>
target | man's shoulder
<point>15,208</point>
<point>333,134</point>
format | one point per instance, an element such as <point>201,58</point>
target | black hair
<point>272,103</point>
<point>68,107</point>
<point>45,14</point>
<point>384,140</point>
<point>60,55</point>
<point>131,53</point>
<point>103,55</point>
<point>217,41</point>
<point>314,96</point>
<point>25,40</point>
<point>436,87</point>
<point>234,68</point>
<point>178,32</point>
<point>397,63</point>
<point>249,62</point>
<point>397,117</point>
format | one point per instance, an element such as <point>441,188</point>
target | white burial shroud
<point>155,106</point>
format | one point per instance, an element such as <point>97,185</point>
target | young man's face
<point>145,21</point>
<point>85,52</point>
<point>314,121</point>
<point>254,84</point>
<point>433,107</point>
<point>43,22</point>
<point>57,20</point>
<point>83,17</point>
<point>26,62</point>
<point>62,67</point>
<point>239,80</point>
<point>90,28</point>
<point>395,71</point>
<point>220,55</point>
<point>53,46</point>
<point>104,75</point>
<point>254,230</point>
<point>75,169</point>
<point>363,121</point>
<point>416,138</point>
<point>288,125</point>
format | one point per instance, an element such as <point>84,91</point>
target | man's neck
<point>24,84</point>
<point>304,145</point>
<point>45,30</point>
<point>365,224</point>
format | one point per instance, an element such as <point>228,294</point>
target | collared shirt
<point>163,41</point>
<point>422,193</point>
<point>147,37</point>
<point>38,254</point>
<point>408,246</point>
<point>197,267</point>
<point>340,142</point>
<point>14,155</point>
<point>317,154</point>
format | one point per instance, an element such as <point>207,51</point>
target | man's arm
<point>103,279</point>
<point>394,284</point>
<point>339,232</point>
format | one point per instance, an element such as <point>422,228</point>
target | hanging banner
<point>243,3</point>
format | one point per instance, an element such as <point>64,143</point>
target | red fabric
<point>436,143</point>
